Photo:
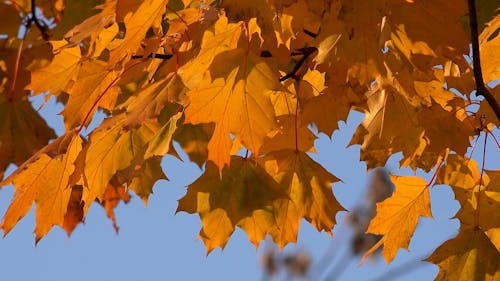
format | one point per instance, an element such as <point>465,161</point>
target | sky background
<point>154,243</point>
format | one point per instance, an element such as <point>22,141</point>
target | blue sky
<point>154,243</point>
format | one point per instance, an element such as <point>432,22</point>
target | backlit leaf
<point>398,215</point>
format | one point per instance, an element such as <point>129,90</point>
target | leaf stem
<point>11,95</point>
<point>96,102</point>
<point>481,89</point>
<point>181,19</point>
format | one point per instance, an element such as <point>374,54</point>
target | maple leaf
<point>111,150</point>
<point>469,256</point>
<point>62,70</point>
<point>337,99</point>
<point>92,88</point>
<point>414,33</point>
<point>398,215</point>
<point>222,76</point>
<point>478,195</point>
<point>46,180</point>
<point>235,95</point>
<point>309,187</point>
<point>243,196</point>
<point>146,15</point>
<point>348,24</point>
<point>22,132</point>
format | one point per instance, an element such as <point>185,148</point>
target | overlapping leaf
<point>469,256</point>
<point>45,180</point>
<point>235,94</point>
<point>309,187</point>
<point>243,196</point>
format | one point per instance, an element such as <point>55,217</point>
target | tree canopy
<point>245,87</point>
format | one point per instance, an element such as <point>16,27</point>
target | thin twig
<point>153,56</point>
<point>307,52</point>
<point>481,89</point>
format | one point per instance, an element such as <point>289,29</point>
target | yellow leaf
<point>92,89</point>
<point>220,37</point>
<point>147,14</point>
<point>46,181</point>
<point>380,137</point>
<point>350,32</point>
<point>63,69</point>
<point>109,151</point>
<point>309,188</point>
<point>489,42</point>
<point>398,215</point>
<point>159,145</point>
<point>235,94</point>
<point>470,256</point>
<point>150,101</point>
<point>414,33</point>
<point>337,99</point>
<point>243,196</point>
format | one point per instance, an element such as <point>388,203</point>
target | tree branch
<point>153,56</point>
<point>481,89</point>
<point>42,27</point>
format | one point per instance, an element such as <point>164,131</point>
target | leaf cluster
<point>261,79</point>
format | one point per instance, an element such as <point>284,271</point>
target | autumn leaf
<point>266,77</point>
<point>478,195</point>
<point>108,152</point>
<point>92,89</point>
<point>22,132</point>
<point>45,181</point>
<point>236,96</point>
<point>147,14</point>
<point>469,256</point>
<point>194,141</point>
<point>490,41</point>
<point>112,197</point>
<point>243,196</point>
<point>309,187</point>
<point>63,69</point>
<point>398,215</point>
<point>414,33</point>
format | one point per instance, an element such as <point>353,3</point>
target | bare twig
<point>153,56</point>
<point>307,52</point>
<point>476,60</point>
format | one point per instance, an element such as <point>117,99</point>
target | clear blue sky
<point>156,244</point>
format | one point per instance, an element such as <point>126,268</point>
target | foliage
<point>263,77</point>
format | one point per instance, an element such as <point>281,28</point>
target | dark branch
<point>153,56</point>
<point>310,33</point>
<point>42,27</point>
<point>307,52</point>
<point>481,89</point>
